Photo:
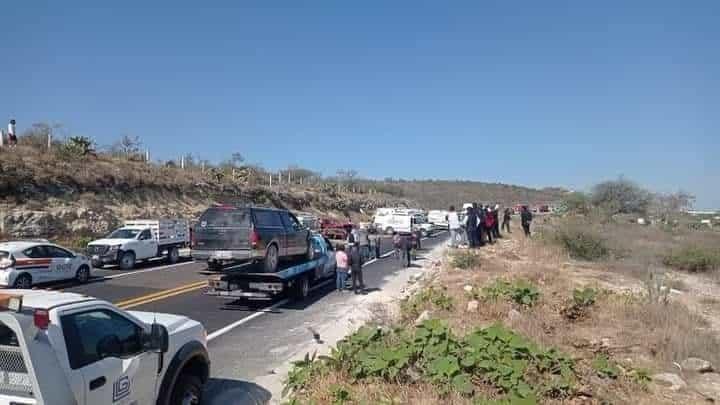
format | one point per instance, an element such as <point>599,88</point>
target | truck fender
<point>191,352</point>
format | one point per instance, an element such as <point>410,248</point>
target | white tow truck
<point>61,348</point>
<point>141,239</point>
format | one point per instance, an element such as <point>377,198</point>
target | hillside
<point>440,194</point>
<point>74,192</point>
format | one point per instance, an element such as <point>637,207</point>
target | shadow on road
<point>222,391</point>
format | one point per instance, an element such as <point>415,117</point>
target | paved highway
<point>247,340</point>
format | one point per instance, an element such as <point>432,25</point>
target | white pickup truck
<point>68,349</point>
<point>141,240</point>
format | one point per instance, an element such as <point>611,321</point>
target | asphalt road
<point>246,339</point>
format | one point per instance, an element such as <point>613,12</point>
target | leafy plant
<point>76,147</point>
<point>340,394</point>
<point>582,243</point>
<point>301,373</point>
<point>640,376</point>
<point>520,291</point>
<point>428,298</point>
<point>582,299</point>
<point>464,259</point>
<point>605,368</point>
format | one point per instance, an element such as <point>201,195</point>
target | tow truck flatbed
<point>242,282</point>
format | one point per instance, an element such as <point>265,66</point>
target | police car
<point>25,263</point>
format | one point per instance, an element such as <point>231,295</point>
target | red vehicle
<point>334,229</point>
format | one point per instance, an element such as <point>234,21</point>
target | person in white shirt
<point>12,138</point>
<point>454,225</point>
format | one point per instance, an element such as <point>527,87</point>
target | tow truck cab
<point>64,348</point>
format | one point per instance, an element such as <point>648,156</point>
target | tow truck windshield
<point>124,234</point>
<point>7,336</point>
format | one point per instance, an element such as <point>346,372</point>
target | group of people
<point>11,138</point>
<point>350,259</point>
<point>482,224</point>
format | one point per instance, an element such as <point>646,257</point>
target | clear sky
<point>538,93</point>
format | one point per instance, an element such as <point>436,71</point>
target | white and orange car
<point>25,263</point>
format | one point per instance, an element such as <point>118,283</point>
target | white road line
<point>234,325</point>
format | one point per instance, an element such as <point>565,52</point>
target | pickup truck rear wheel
<point>23,282</point>
<point>272,258</point>
<point>127,260</point>
<point>187,390</point>
<point>173,255</point>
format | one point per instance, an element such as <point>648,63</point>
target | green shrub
<point>582,244</point>
<point>693,258</point>
<point>513,365</point>
<point>428,298</point>
<point>464,259</point>
<point>581,301</point>
<point>519,291</point>
<point>605,368</point>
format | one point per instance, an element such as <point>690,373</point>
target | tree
<point>127,147</point>
<point>76,147</point>
<point>38,134</point>
<point>621,196</point>
<point>667,205</point>
<point>577,202</point>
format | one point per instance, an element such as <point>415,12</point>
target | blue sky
<point>538,93</point>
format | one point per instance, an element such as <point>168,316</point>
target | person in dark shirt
<point>356,263</point>
<point>506,220</point>
<point>526,219</point>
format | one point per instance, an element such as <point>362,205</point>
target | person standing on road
<point>453,226</point>
<point>489,225</point>
<point>481,224</point>
<point>471,226</point>
<point>378,242</point>
<point>526,219</point>
<point>405,248</point>
<point>496,221</point>
<point>506,220</point>
<point>356,263</point>
<point>341,258</point>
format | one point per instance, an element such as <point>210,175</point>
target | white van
<point>438,218</point>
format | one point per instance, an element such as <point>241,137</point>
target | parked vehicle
<point>26,263</point>
<point>438,218</point>
<point>229,234</point>
<point>309,221</point>
<point>334,229</point>
<point>141,239</point>
<point>65,348</point>
<point>398,220</point>
<point>295,279</point>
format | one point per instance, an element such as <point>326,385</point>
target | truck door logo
<point>121,388</point>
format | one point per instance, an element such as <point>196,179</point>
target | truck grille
<point>14,378</point>
<point>97,249</point>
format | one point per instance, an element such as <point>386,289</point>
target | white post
<point>182,162</point>
<point>147,154</point>
<point>203,167</point>
<point>49,140</point>
<point>270,175</point>
<point>2,139</point>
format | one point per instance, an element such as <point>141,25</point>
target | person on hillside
<point>341,258</point>
<point>479,228</point>
<point>453,226</point>
<point>356,263</point>
<point>496,221</point>
<point>471,226</point>
<point>489,225</point>
<point>525,219</point>
<point>506,220</point>
<point>12,136</point>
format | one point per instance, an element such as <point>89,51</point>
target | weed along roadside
<point>549,320</point>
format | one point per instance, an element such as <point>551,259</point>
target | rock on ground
<point>473,306</point>
<point>669,380</point>
<point>708,385</point>
<point>696,365</point>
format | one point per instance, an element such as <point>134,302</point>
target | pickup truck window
<point>291,223</point>
<point>84,330</point>
<point>124,234</point>
<point>270,219</point>
<point>7,336</point>
<point>224,218</point>
<point>146,235</point>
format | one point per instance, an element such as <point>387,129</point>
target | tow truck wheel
<point>187,391</point>
<point>127,260</point>
<point>173,255</point>
<point>23,282</point>
<point>83,274</point>
<point>302,288</point>
<point>271,259</point>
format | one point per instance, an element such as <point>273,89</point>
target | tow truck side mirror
<point>159,340</point>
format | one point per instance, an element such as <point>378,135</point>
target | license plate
<point>221,285</point>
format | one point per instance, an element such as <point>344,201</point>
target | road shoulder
<point>355,312</point>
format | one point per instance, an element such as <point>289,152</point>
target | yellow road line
<point>161,295</point>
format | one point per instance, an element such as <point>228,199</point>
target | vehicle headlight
<point>114,248</point>
<point>6,262</point>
